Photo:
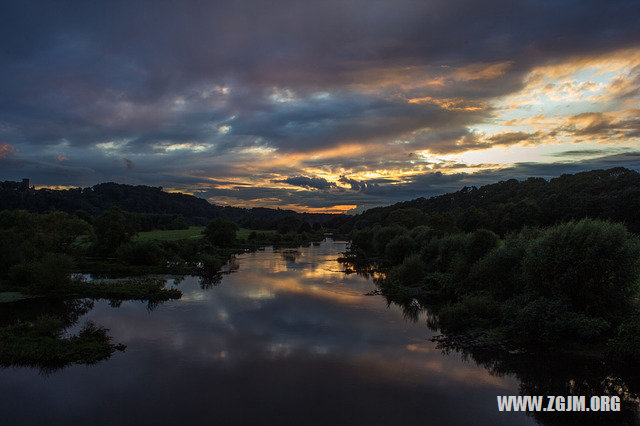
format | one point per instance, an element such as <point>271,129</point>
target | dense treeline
<point>508,206</point>
<point>480,261</point>
<point>40,251</point>
<point>571,284</point>
<point>151,207</point>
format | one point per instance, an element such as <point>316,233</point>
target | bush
<point>398,248</point>
<point>626,344</point>
<point>447,253</point>
<point>112,229</point>
<point>542,321</point>
<point>46,274</point>
<point>592,264</point>
<point>476,311</point>
<point>383,235</point>
<point>480,243</point>
<point>499,272</point>
<point>211,263</point>
<point>409,273</point>
<point>362,240</point>
<point>421,236</point>
<point>221,233</point>
<point>147,253</point>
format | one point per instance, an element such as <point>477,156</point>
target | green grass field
<point>243,233</point>
<point>185,234</point>
<point>172,235</point>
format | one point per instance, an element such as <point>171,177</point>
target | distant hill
<point>143,200</point>
<point>505,206</point>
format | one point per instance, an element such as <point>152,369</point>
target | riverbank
<point>570,287</point>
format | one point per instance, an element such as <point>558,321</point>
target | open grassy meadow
<point>184,234</point>
<point>171,235</point>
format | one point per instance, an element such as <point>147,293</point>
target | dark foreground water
<point>286,339</point>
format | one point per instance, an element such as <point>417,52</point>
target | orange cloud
<point>450,104</point>
<point>481,71</point>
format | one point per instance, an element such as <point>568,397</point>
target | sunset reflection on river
<point>288,338</point>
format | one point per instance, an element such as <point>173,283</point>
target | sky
<point>320,106</point>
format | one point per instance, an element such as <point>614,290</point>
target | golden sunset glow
<point>340,126</point>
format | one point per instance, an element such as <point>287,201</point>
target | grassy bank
<point>170,235</point>
<point>192,232</point>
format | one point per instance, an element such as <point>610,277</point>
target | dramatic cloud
<point>307,182</point>
<point>314,105</point>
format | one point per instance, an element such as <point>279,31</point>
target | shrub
<point>626,344</point>
<point>442,254</point>
<point>592,264</point>
<point>362,240</point>
<point>410,272</point>
<point>46,274</point>
<point>211,263</point>
<point>112,229</point>
<point>421,236</point>
<point>542,321</point>
<point>142,253</point>
<point>477,311</point>
<point>480,243</point>
<point>398,248</point>
<point>221,233</point>
<point>499,271</point>
<point>383,235</point>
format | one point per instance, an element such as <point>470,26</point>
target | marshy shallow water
<point>288,338</point>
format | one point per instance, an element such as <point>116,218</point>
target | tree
<point>112,229</point>
<point>304,227</point>
<point>398,248</point>
<point>409,218</point>
<point>221,233</point>
<point>591,264</point>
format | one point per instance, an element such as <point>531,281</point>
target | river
<point>287,338</point>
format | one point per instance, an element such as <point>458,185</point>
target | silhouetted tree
<point>221,233</point>
<point>112,229</point>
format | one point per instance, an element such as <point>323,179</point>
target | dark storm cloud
<point>67,65</point>
<point>307,182</point>
<point>173,86</point>
<point>580,153</point>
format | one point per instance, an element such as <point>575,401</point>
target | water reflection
<point>35,333</point>
<point>288,338</point>
<point>545,373</point>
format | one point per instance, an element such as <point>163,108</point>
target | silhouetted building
<point>25,184</point>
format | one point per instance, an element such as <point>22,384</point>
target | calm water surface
<point>286,339</point>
